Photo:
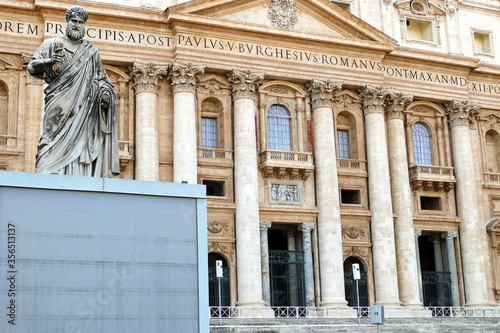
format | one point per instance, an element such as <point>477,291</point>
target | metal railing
<point>318,312</point>
<point>451,311</point>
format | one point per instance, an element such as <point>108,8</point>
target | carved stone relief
<point>282,13</point>
<point>218,228</point>
<point>354,233</point>
<point>224,248</point>
<point>281,192</point>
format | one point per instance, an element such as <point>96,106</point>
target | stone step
<point>399,325</point>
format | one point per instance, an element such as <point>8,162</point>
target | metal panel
<point>101,259</point>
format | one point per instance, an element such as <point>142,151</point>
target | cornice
<point>428,57</point>
<point>100,9</point>
<point>266,32</point>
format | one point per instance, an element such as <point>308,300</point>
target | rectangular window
<point>419,30</point>
<point>344,6</point>
<point>430,203</point>
<point>482,43</point>
<point>350,197</point>
<point>215,188</point>
<point>209,132</point>
<point>343,144</point>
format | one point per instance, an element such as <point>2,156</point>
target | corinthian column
<point>382,224</point>
<point>184,79</point>
<point>264,249</point>
<point>408,278</point>
<point>471,229</point>
<point>308,262</point>
<point>244,86</point>
<point>146,132</point>
<point>327,192</point>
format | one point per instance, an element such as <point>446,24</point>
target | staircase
<point>396,325</point>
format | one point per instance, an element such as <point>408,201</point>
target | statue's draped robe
<point>79,134</point>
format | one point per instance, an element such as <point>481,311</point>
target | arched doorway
<point>350,283</point>
<point>213,283</point>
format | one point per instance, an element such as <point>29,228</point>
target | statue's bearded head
<point>76,17</point>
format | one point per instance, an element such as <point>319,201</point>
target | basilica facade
<point>327,133</point>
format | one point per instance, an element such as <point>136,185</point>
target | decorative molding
<point>354,233</point>
<point>285,193</point>
<point>224,248</point>
<point>355,251</point>
<point>417,233</point>
<point>282,13</point>
<point>216,227</point>
<point>462,113</point>
<point>322,92</point>
<point>265,225</point>
<point>185,77</point>
<point>146,76</point>
<point>449,234</point>
<point>396,105</point>
<point>244,83</point>
<point>306,227</point>
<point>374,98</point>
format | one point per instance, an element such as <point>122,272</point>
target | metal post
<point>219,273</point>
<point>356,275</point>
<point>220,305</point>
<point>357,302</point>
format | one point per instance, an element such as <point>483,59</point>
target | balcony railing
<point>491,179</point>
<point>315,312</point>
<point>212,153</point>
<point>293,164</point>
<point>432,172</point>
<point>286,156</point>
<point>7,140</point>
<point>432,178</point>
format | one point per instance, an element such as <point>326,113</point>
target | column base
<point>406,312</point>
<point>331,312</point>
<point>254,312</point>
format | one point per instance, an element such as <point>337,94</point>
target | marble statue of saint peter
<point>79,124</point>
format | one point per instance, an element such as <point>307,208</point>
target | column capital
<point>449,234</point>
<point>417,233</point>
<point>322,92</point>
<point>435,238</point>
<point>185,77</point>
<point>146,75</point>
<point>306,227</point>
<point>396,104</point>
<point>461,113</point>
<point>264,225</point>
<point>289,232</point>
<point>244,83</point>
<point>374,98</point>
